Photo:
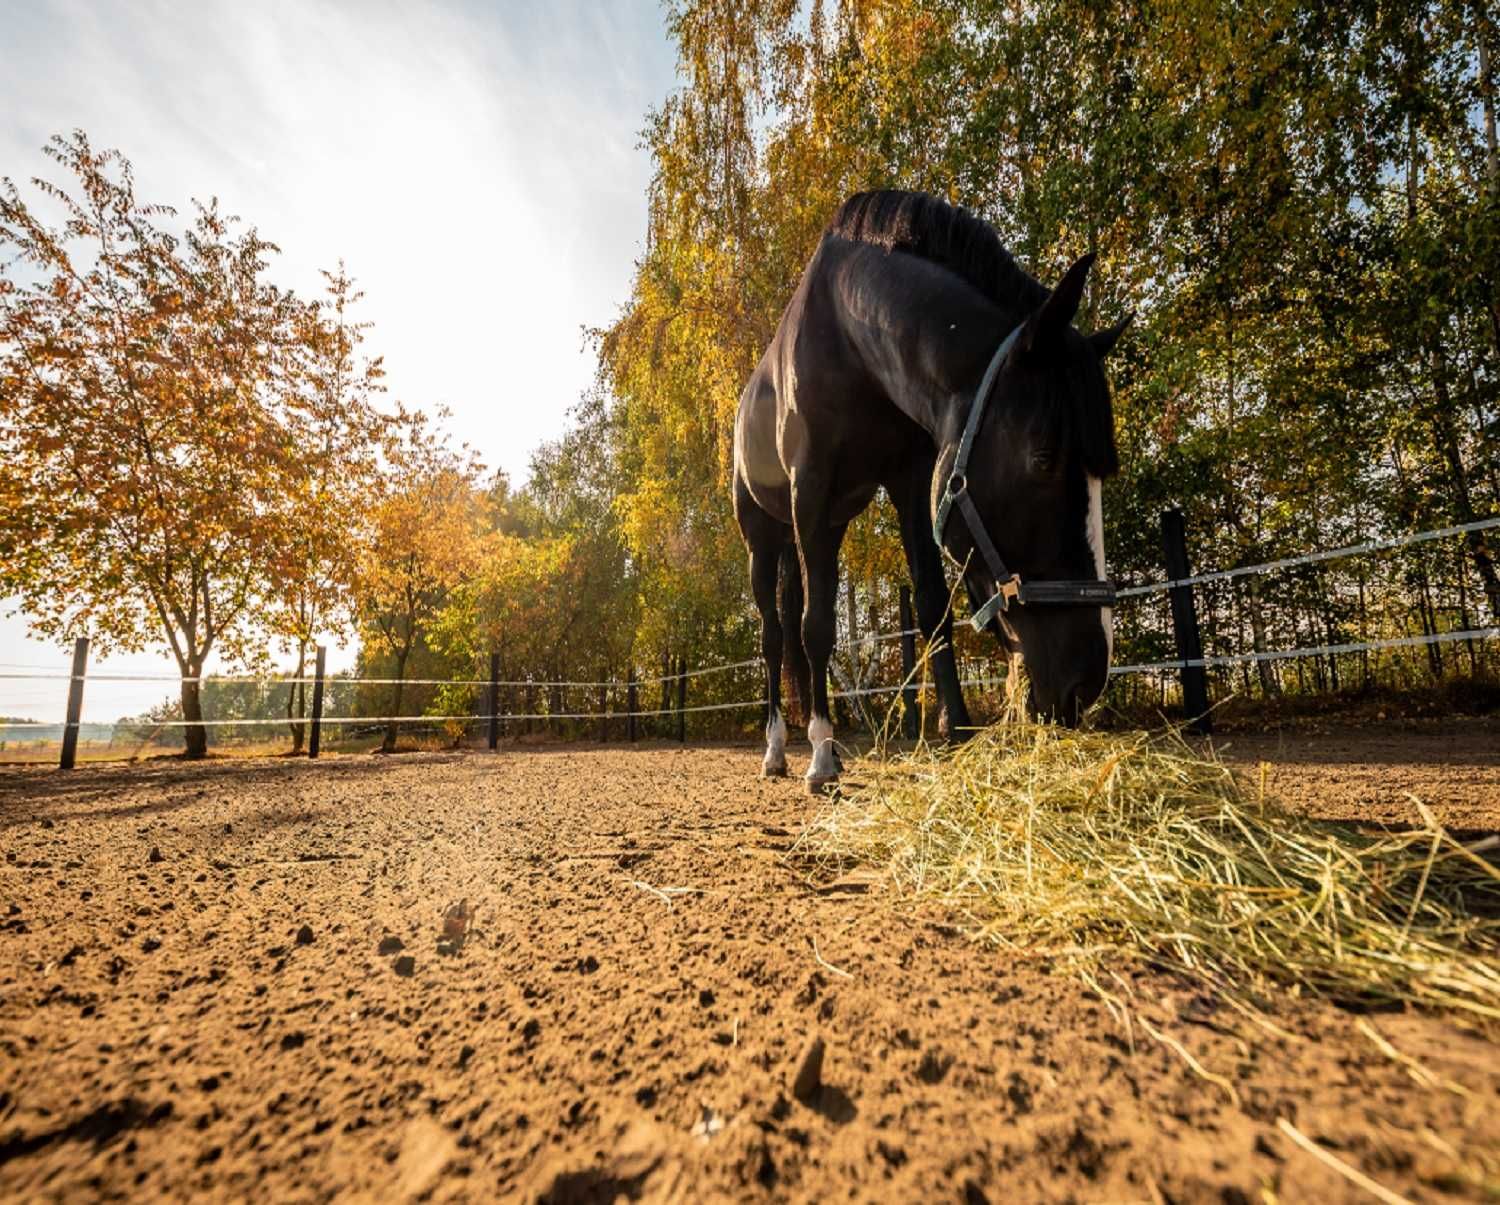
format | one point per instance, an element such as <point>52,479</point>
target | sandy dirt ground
<point>231,980</point>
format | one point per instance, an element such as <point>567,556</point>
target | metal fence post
<point>315,736</point>
<point>494,701</point>
<point>1185,624</point>
<point>910,717</point>
<point>75,704</point>
<point>603,718</point>
<point>681,700</point>
<point>630,702</point>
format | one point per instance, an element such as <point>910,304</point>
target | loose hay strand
<point>1379,1191</point>
<point>1087,845</point>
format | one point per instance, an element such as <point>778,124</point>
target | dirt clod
<point>390,944</point>
<point>154,855</point>
<point>405,966</point>
<point>809,1077</point>
<point>305,935</point>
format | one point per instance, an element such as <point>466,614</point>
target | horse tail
<point>795,670</point>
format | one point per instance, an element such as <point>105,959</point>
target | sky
<point>476,166</point>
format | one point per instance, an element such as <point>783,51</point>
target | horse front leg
<point>818,549</point>
<point>930,595</point>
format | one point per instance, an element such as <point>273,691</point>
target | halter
<point>1009,587</point>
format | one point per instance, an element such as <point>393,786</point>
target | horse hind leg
<point>766,541</point>
<point>798,668</point>
<point>818,544</point>
<point>789,604</point>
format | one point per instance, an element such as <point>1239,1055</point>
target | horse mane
<point>928,227</point>
<point>931,229</point>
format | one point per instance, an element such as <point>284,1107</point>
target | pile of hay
<point>1086,845</point>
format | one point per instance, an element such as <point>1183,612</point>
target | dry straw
<point>1088,845</point>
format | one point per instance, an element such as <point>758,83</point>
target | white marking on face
<point>1095,536</point>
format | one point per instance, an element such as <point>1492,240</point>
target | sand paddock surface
<point>226,980</point>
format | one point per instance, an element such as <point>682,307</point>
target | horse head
<point>1040,442</point>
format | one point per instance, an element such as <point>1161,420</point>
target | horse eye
<point>1044,460</point>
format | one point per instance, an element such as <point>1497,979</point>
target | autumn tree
<point>153,439</point>
<point>336,392</point>
<point>423,526</point>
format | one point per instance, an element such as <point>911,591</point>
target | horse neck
<point>924,334</point>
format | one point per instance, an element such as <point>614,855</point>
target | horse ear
<point>1056,313</point>
<point>1103,341</point>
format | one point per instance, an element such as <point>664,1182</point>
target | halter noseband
<point>1009,588</point>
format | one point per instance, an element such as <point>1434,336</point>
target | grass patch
<point>1093,846</point>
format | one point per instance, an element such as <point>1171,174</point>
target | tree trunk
<point>1446,437</point>
<point>1465,620</point>
<point>195,735</point>
<point>1482,35</point>
<point>1429,625</point>
<point>1269,685</point>
<point>388,745</point>
<point>1364,635</point>
<point>294,711</point>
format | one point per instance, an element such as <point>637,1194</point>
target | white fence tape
<point>864,644</point>
<point>1310,558</point>
<point>1322,650</point>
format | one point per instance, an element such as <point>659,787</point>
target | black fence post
<point>315,736</point>
<point>1185,624</point>
<point>603,718</point>
<point>494,701</point>
<point>664,719</point>
<point>681,700</point>
<point>910,717</point>
<point>630,703</point>
<point>75,704</point>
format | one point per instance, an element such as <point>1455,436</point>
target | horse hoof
<point>821,785</point>
<point>773,771</point>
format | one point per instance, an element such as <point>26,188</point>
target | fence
<point>855,675</point>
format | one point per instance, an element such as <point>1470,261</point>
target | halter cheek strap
<point>1008,586</point>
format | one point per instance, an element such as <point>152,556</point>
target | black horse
<point>918,356</point>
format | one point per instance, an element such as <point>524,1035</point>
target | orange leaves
<point>172,423</point>
<point>423,539</point>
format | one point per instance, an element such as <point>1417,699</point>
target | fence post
<point>910,717</point>
<point>603,719</point>
<point>315,736</point>
<point>664,718</point>
<point>681,700</point>
<point>630,703</point>
<point>75,704</point>
<point>1185,624</point>
<point>494,701</point>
